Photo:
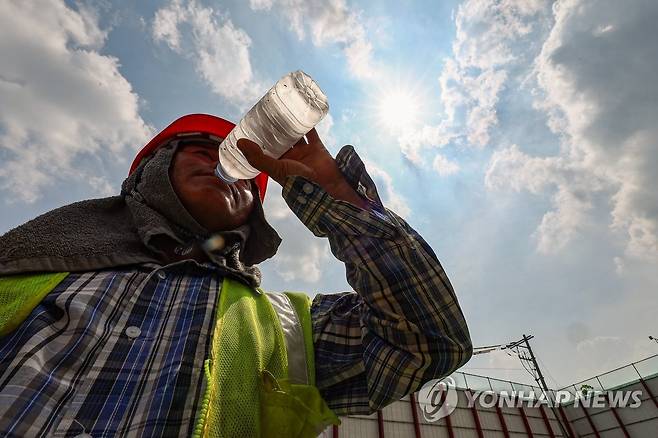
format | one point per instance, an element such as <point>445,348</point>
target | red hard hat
<point>194,123</point>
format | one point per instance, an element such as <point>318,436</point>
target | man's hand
<point>308,159</point>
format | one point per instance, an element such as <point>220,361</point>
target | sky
<point>518,137</point>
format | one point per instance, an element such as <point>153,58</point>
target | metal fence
<point>622,376</point>
<point>475,382</point>
<point>405,419</point>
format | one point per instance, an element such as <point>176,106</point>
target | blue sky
<point>527,158</point>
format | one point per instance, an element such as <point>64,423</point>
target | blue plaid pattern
<point>120,352</point>
<point>76,364</point>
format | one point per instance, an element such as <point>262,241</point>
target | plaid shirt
<point>121,351</point>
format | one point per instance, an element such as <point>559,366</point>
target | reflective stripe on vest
<point>293,335</point>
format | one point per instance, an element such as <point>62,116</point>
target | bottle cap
<point>219,172</point>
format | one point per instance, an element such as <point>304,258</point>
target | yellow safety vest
<point>260,374</point>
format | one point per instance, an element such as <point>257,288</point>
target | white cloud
<point>487,31</point>
<point>274,206</point>
<point>166,22</point>
<point>329,22</point>
<point>491,38</point>
<point>620,266</point>
<point>559,226</point>
<point>512,168</point>
<point>596,73</point>
<point>613,335</point>
<point>347,115</point>
<point>303,257</point>
<point>324,131</point>
<point>219,50</point>
<point>61,99</point>
<point>412,142</point>
<point>481,96</point>
<point>305,264</point>
<point>588,344</point>
<point>387,193</point>
<point>605,352</point>
<point>444,166</point>
<point>261,5</point>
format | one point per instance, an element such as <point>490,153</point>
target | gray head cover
<point>123,230</point>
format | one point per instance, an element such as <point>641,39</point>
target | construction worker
<point>142,314</point>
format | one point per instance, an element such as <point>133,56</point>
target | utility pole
<point>540,380</point>
<point>535,371</point>
<point>535,365</point>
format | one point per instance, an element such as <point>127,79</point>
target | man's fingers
<point>292,167</point>
<point>276,169</point>
<point>255,155</point>
<point>313,136</point>
<point>302,142</point>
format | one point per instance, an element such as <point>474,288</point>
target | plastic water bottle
<point>291,108</point>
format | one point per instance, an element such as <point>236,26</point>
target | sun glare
<point>398,110</point>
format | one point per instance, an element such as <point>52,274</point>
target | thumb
<point>254,154</point>
<point>278,170</point>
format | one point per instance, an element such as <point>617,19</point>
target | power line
<point>492,368</point>
<point>523,351</point>
<point>543,364</point>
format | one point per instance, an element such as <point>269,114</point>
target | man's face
<point>214,204</point>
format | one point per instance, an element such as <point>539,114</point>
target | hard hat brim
<point>192,123</point>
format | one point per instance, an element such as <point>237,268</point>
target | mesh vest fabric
<point>248,393</point>
<point>19,294</point>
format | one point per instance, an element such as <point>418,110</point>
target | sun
<point>398,110</point>
<point>396,103</point>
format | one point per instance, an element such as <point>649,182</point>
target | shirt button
<point>301,199</point>
<point>364,215</point>
<point>308,188</point>
<point>161,275</point>
<point>133,332</point>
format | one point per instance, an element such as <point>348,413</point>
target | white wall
<point>640,422</point>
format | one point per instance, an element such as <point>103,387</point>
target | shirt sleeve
<point>402,325</point>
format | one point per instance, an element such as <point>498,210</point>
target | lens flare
<point>398,110</point>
